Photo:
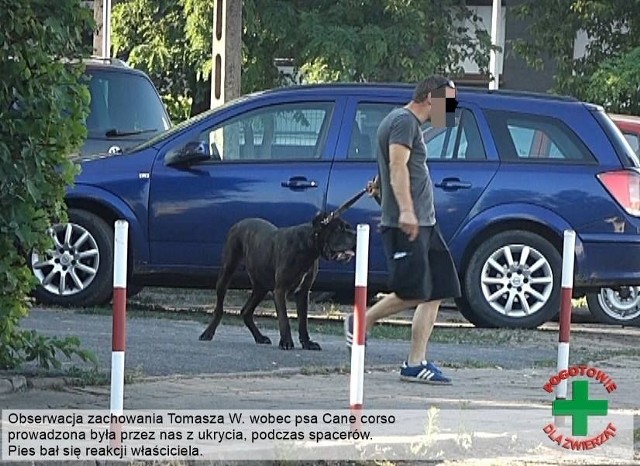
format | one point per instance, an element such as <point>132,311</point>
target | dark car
<point>125,107</point>
<point>620,304</point>
<point>516,171</point>
<point>630,127</point>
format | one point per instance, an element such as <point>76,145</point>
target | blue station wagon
<point>514,173</point>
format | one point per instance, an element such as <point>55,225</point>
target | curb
<point>21,383</point>
<point>319,318</point>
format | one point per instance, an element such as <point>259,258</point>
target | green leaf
<point>35,138</point>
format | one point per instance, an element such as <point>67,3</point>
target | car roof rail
<point>472,89</point>
<point>110,61</point>
<point>518,93</point>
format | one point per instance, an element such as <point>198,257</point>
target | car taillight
<point>624,186</point>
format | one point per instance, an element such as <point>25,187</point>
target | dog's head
<point>336,239</point>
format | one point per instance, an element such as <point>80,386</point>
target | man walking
<point>421,270</point>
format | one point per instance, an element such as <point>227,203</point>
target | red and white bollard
<point>119,330</point>
<point>359,323</point>
<point>568,254</point>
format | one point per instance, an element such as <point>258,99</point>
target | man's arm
<point>399,176</point>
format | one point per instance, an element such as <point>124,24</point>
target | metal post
<point>356,390</point>
<point>568,253</point>
<point>106,28</point>
<point>496,24</point>
<point>119,330</point>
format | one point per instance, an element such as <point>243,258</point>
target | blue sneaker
<point>348,331</point>
<point>425,372</point>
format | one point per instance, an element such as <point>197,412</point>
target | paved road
<point>159,346</point>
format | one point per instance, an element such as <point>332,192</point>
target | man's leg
<point>417,368</point>
<point>424,319</point>
<point>389,305</point>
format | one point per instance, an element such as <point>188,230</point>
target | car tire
<point>618,307</point>
<point>133,289</point>
<point>84,249</point>
<point>467,312</point>
<point>495,267</point>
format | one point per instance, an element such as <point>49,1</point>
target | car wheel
<point>78,270</point>
<point>467,312</point>
<point>133,289</point>
<point>616,306</point>
<point>513,281</point>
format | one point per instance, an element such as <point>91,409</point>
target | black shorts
<point>422,269</point>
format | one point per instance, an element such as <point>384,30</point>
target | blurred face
<point>443,107</point>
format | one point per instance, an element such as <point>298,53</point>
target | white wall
<point>580,44</point>
<point>484,12</point>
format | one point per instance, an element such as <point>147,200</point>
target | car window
<point>534,138</point>
<point>531,142</point>
<point>123,102</point>
<point>365,126</point>
<point>623,149</point>
<point>279,132</point>
<point>461,142</point>
<point>632,139</point>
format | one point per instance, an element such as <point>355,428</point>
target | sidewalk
<point>329,389</point>
<point>505,397</point>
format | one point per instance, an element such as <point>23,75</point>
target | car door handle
<point>453,184</point>
<point>299,182</point>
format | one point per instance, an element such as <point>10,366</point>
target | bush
<point>616,84</point>
<point>43,106</point>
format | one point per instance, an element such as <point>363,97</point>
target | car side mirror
<point>191,153</point>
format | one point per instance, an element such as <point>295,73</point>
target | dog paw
<point>206,336</point>
<point>311,345</point>
<point>262,340</point>
<point>286,344</point>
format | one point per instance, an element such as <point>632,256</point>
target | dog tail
<point>231,257</point>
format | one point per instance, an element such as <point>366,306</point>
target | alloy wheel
<point>517,280</point>
<point>71,265</point>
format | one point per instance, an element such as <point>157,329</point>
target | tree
<point>150,35</point>
<point>327,40</point>
<point>43,105</point>
<point>612,28</point>
<point>616,84</point>
<point>388,40</point>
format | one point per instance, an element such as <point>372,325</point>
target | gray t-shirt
<point>401,126</point>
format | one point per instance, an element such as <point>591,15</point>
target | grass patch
<point>83,377</point>
<point>468,364</point>
<point>323,370</point>
<point>490,337</point>
<point>544,363</point>
<point>604,354</point>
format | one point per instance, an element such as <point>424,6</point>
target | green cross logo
<point>580,407</point>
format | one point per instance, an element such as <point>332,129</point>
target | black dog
<point>281,260</point>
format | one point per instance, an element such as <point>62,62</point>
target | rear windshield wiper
<point>114,133</point>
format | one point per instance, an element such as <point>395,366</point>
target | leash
<point>346,205</point>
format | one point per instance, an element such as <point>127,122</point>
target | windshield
<point>185,124</point>
<point>123,103</point>
<point>625,152</point>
